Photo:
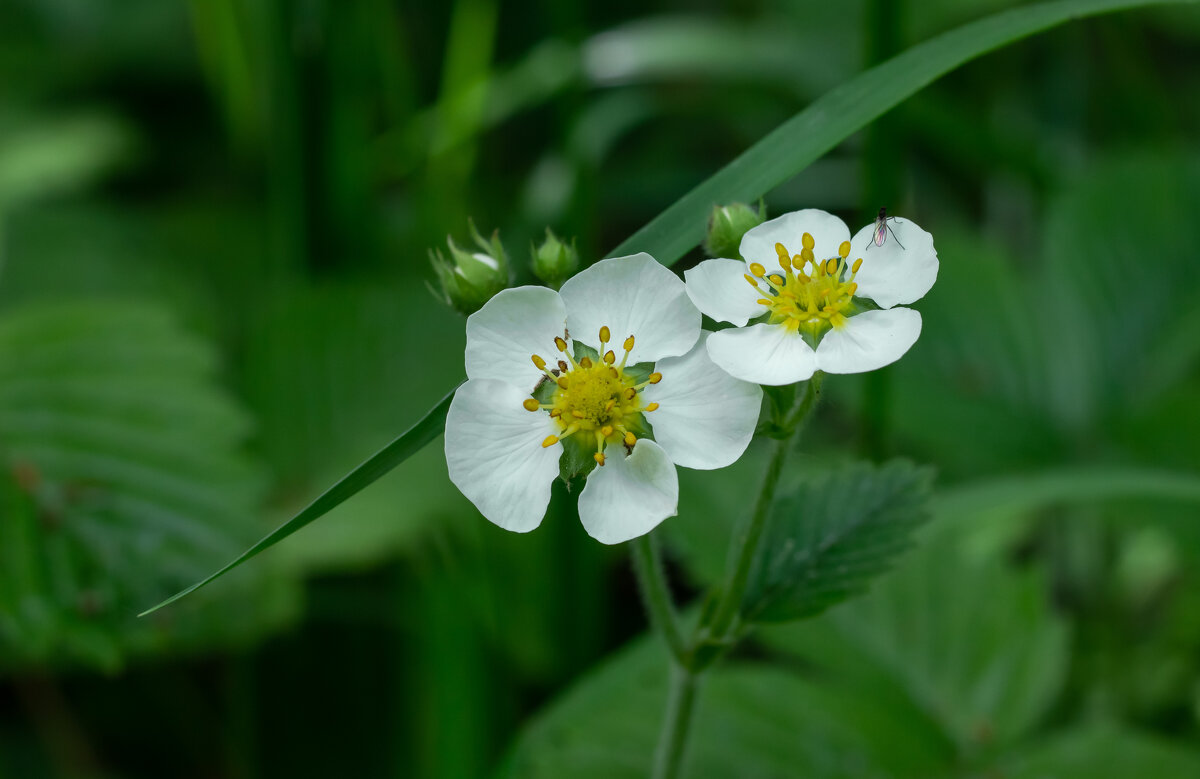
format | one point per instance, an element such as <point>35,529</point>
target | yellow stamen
<point>652,407</point>
<point>605,334</point>
<point>630,438</point>
<point>757,269</point>
<point>606,431</point>
<point>531,405</point>
<point>655,377</point>
<point>599,458</point>
<point>857,264</point>
<point>586,362</point>
<point>629,344</point>
<point>539,362</point>
<point>844,249</point>
<point>807,241</point>
<point>549,440</point>
<point>610,357</point>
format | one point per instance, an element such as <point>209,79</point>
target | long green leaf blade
<point>407,444</point>
<point>837,114</point>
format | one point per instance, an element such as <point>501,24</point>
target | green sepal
<point>577,458</point>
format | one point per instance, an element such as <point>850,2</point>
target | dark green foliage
<point>829,537</point>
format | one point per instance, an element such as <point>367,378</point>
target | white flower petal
<point>719,289</point>
<point>495,456</point>
<point>628,496</point>
<point>892,276</point>
<point>869,340</point>
<point>705,417</point>
<point>632,296</point>
<point>763,354</point>
<point>828,232</point>
<point>510,328</point>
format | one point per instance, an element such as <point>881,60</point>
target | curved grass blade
<point>407,444</point>
<point>837,114</point>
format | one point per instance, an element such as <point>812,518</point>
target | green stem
<point>681,702</point>
<point>747,540</point>
<point>647,564</point>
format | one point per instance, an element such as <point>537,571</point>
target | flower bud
<point>554,261</point>
<point>727,225</point>
<point>470,279</point>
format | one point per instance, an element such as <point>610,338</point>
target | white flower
<point>528,399</point>
<point>815,304</point>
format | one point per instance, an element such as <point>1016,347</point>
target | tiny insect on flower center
<point>595,398</point>
<point>810,295</point>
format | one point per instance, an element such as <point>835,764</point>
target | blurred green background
<point>214,223</point>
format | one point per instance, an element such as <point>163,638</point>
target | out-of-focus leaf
<point>123,479</point>
<point>1101,752</point>
<point>43,157</point>
<point>827,539</point>
<point>984,670</point>
<point>404,446</point>
<point>751,721</point>
<point>840,112</point>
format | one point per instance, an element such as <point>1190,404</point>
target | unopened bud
<point>554,261</point>
<point>469,279</point>
<point>727,225</point>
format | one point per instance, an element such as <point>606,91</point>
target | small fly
<point>882,228</point>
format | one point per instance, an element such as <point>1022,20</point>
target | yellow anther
<point>652,407</point>
<point>549,440</point>
<point>606,431</point>
<point>852,288</point>
<point>605,334</point>
<point>752,281</point>
<point>531,405</point>
<point>785,261</point>
<point>562,366</point>
<point>857,264</point>
<point>630,393</point>
<point>610,405</point>
<point>616,374</point>
<point>610,357</point>
<point>781,250</point>
<point>562,382</point>
<point>798,262</point>
<point>655,377</point>
<point>831,266</point>
<point>763,302</point>
<point>555,413</point>
<point>630,438</point>
<point>807,255</point>
<point>757,269</point>
<point>586,362</point>
<point>844,249</point>
<point>560,343</point>
<point>539,362</point>
<point>599,458</point>
<point>807,241</point>
<point>629,343</point>
<point>577,413</point>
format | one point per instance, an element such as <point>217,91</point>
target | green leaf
<point>122,478</point>
<point>408,443</point>
<point>1102,752</point>
<point>970,641</point>
<point>837,114</point>
<point>750,721</point>
<point>832,535</point>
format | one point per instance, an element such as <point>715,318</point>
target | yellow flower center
<point>810,295</point>
<point>594,398</point>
